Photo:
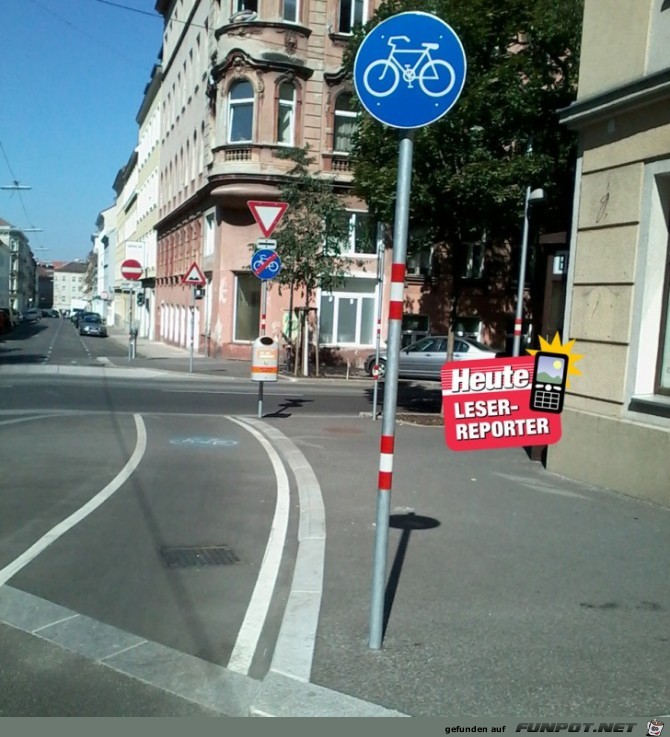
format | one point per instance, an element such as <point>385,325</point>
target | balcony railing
<point>237,154</point>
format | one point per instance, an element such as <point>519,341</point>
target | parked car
<point>32,315</point>
<point>91,324</point>
<point>74,315</point>
<point>425,358</point>
<point>79,315</point>
<point>9,319</point>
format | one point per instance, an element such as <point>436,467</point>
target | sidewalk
<point>156,355</point>
<point>510,590</point>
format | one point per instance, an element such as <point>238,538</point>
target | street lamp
<point>532,197</point>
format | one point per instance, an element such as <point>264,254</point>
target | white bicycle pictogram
<point>261,264</point>
<point>377,83</point>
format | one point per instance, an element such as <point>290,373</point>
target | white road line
<point>28,419</point>
<point>294,650</point>
<point>254,619</point>
<point>53,340</point>
<point>92,504</point>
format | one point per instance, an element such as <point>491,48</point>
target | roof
<point>76,267</point>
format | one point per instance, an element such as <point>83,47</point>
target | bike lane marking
<point>91,505</point>
<point>259,604</point>
<point>294,649</point>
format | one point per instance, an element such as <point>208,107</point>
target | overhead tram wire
<point>40,246</point>
<point>144,12</point>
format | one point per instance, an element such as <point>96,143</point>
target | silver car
<point>92,324</point>
<point>425,358</point>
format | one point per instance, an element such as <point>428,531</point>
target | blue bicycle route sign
<point>265,264</point>
<point>410,70</point>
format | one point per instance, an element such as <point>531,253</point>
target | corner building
<point>616,418</point>
<point>241,80</point>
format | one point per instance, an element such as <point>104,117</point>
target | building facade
<point>104,245</point>
<point>70,285</point>
<point>5,260</point>
<point>125,186</point>
<point>241,81</point>
<point>22,267</point>
<point>616,420</point>
<point>148,161</point>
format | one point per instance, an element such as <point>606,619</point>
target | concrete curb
<point>175,672</point>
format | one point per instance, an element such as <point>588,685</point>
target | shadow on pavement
<point>22,331</point>
<point>407,523</point>
<point>282,410</point>
<point>20,357</point>
<point>413,397</point>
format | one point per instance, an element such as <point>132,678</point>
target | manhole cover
<point>193,557</point>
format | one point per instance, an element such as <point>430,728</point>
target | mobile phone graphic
<point>548,387</point>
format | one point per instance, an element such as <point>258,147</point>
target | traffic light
<point>140,299</point>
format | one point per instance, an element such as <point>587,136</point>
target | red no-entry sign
<point>131,269</point>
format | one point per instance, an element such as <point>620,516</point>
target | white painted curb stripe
<point>294,650</point>
<point>259,604</point>
<point>92,504</point>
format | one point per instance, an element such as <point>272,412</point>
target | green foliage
<point>313,229</point>
<point>471,167</point>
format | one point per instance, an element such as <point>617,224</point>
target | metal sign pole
<point>380,282</point>
<point>190,354</point>
<point>518,320</point>
<point>400,227</point>
<point>264,305</point>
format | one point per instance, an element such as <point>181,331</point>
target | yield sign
<point>194,277</point>
<point>267,214</point>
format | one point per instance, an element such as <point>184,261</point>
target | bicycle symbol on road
<point>381,77</point>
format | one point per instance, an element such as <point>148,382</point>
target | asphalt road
<point>509,590</point>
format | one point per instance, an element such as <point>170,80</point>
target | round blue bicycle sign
<point>410,70</point>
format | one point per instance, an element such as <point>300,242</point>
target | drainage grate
<point>192,557</point>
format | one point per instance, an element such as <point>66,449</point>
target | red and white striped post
<point>378,337</point>
<point>385,479</point>
<point>264,305</point>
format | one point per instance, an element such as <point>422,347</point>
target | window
<point>210,223</point>
<point>352,12</point>
<point>347,315</point>
<point>362,234</point>
<point>240,112</point>
<point>473,261</point>
<point>239,5</point>
<point>420,262</point>
<point>344,123</point>
<point>286,114</point>
<point>247,307</point>
<point>469,327</point>
<point>290,10</point>
<point>663,380</point>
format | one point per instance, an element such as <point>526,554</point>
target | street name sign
<point>267,214</point>
<point>410,70</point>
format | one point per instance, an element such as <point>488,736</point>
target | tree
<point>91,275</point>
<point>471,168</point>
<point>311,232</point>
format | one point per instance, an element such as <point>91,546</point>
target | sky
<point>72,78</point>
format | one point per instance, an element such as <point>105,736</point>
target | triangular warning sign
<point>267,214</point>
<point>194,277</point>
